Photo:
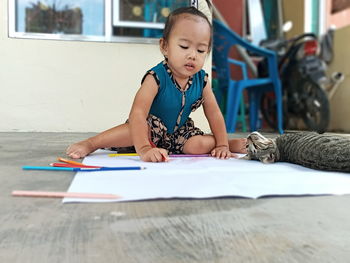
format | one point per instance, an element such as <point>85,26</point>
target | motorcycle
<point>304,82</point>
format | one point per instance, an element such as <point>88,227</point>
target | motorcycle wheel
<point>315,104</point>
<point>269,110</point>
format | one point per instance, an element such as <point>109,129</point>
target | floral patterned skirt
<point>173,142</point>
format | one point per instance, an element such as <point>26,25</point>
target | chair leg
<point>242,114</point>
<point>237,103</point>
<point>229,108</point>
<point>280,116</point>
<point>279,106</point>
<point>233,103</point>
<point>219,94</point>
<point>252,110</point>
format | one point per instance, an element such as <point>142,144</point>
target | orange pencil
<point>71,162</point>
<point>73,165</point>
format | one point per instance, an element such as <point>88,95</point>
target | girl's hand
<point>154,155</point>
<point>222,152</point>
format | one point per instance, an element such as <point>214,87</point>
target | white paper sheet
<point>202,177</point>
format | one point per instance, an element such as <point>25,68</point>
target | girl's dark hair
<point>172,18</point>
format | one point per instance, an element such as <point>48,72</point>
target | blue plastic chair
<point>224,39</point>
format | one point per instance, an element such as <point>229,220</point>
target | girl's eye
<point>201,51</point>
<point>183,47</point>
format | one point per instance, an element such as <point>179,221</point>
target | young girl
<point>159,122</point>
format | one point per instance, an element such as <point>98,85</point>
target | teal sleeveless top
<point>171,104</point>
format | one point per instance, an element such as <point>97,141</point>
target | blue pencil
<point>76,169</point>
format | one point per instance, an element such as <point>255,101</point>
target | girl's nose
<point>192,54</point>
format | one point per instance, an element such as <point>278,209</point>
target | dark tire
<point>315,104</point>
<point>269,110</point>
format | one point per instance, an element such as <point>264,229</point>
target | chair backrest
<point>221,48</point>
<point>224,39</point>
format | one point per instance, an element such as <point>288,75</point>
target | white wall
<point>59,86</point>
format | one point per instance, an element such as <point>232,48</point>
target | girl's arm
<point>138,122</point>
<point>216,122</point>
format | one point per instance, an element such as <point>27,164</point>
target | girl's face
<point>188,46</point>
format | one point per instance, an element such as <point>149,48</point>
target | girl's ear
<point>163,46</point>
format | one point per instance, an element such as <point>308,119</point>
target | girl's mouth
<point>189,67</point>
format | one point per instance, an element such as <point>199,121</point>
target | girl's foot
<point>238,145</point>
<point>80,149</point>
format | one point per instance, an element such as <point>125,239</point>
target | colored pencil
<point>122,154</point>
<point>63,194</point>
<point>73,165</point>
<point>190,155</point>
<point>82,169</point>
<point>170,155</point>
<point>69,161</point>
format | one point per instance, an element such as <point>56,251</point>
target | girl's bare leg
<point>238,145</point>
<point>118,136</point>
<point>199,144</point>
<point>202,144</point>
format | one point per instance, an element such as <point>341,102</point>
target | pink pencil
<point>190,155</point>
<point>63,194</point>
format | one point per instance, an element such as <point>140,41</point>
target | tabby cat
<point>318,151</point>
